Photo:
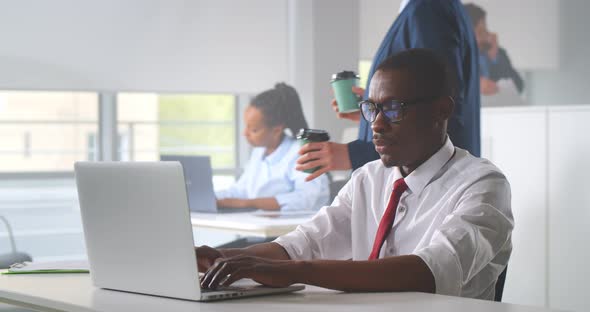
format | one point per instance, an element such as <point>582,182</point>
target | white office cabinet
<point>514,139</point>
<point>569,202</point>
<point>376,16</point>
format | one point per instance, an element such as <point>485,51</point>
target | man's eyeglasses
<point>392,110</point>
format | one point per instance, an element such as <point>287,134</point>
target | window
<point>41,133</point>
<point>46,131</point>
<point>151,125</point>
<point>364,68</point>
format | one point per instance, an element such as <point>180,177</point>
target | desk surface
<point>248,223</point>
<point>75,293</point>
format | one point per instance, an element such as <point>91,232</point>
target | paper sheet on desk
<point>80,266</point>
<point>507,95</point>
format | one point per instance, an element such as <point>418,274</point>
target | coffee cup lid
<point>347,74</point>
<point>315,135</point>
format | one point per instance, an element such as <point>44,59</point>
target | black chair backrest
<point>335,187</point>
<point>6,260</point>
<point>500,285</point>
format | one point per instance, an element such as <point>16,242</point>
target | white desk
<point>247,223</point>
<point>75,293</point>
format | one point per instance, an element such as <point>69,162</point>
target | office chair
<point>500,285</point>
<point>6,260</point>
<point>338,179</point>
<point>335,187</point>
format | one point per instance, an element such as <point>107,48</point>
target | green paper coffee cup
<point>342,84</point>
<point>312,135</point>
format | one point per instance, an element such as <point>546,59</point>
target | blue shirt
<point>499,68</point>
<point>442,26</point>
<point>275,176</point>
<point>484,64</point>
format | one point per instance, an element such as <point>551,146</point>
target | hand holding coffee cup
<point>352,116</point>
<point>318,156</point>
<point>312,135</point>
<point>342,85</point>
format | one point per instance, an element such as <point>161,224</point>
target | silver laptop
<point>138,231</point>
<point>198,176</point>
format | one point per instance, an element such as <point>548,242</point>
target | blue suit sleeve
<point>361,152</point>
<point>431,31</point>
<point>443,29</point>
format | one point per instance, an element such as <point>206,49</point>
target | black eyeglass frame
<point>402,106</point>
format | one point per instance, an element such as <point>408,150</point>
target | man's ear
<point>444,108</point>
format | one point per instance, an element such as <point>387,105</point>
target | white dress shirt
<point>275,176</point>
<point>455,216</point>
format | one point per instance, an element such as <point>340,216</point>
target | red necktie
<point>399,187</point>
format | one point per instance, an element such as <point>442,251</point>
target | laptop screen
<point>198,177</point>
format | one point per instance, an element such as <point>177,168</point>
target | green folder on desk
<point>49,267</point>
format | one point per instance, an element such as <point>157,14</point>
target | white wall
<point>527,29</point>
<point>181,46</point>
<point>375,18</point>
<point>143,45</point>
<point>568,84</point>
<point>325,40</point>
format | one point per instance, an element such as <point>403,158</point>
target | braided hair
<point>281,106</point>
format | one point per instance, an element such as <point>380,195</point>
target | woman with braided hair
<point>270,181</point>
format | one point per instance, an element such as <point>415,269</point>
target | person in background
<point>494,63</point>
<point>427,217</point>
<point>439,25</point>
<point>270,181</point>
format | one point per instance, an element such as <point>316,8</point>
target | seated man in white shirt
<point>426,217</point>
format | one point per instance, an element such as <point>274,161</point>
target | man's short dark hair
<point>475,12</point>
<point>428,70</point>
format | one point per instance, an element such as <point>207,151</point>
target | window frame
<point>107,140</point>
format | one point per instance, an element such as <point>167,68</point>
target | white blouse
<point>275,176</point>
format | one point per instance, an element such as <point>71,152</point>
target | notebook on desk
<point>138,231</point>
<point>80,266</point>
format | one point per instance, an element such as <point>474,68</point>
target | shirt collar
<point>421,176</point>
<point>277,154</point>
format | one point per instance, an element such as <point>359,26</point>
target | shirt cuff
<point>295,244</point>
<point>445,268</point>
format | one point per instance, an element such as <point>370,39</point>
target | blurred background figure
<point>494,63</point>
<point>270,181</point>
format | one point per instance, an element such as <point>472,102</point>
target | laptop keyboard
<point>231,288</point>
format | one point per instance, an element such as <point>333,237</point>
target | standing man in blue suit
<point>439,25</point>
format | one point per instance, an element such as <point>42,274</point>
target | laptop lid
<point>137,227</point>
<point>198,177</point>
